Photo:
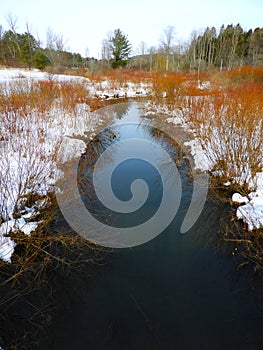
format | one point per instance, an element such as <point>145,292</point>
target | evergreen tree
<point>40,59</point>
<point>28,46</point>
<point>120,48</point>
<point>256,46</point>
<point>11,48</point>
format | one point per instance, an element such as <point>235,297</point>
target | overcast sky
<point>85,23</point>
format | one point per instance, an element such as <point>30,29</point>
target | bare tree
<point>1,42</point>
<point>167,42</point>
<point>142,51</point>
<point>193,49</point>
<point>142,47</point>
<point>60,43</point>
<point>50,44</point>
<point>105,50</point>
<point>256,46</point>
<point>234,34</point>
<point>1,32</point>
<point>180,49</point>
<point>50,39</point>
<point>11,20</point>
<point>55,45</point>
<point>152,53</point>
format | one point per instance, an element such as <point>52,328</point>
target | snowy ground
<point>28,166</point>
<point>252,211</point>
<point>103,89</point>
<point>250,208</point>
<point>22,157</point>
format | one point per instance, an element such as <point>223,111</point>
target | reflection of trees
<point>122,110</point>
<point>167,143</point>
<point>114,111</point>
<point>96,146</point>
<point>94,149</point>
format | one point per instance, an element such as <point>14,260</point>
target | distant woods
<point>227,48</point>
<point>25,50</point>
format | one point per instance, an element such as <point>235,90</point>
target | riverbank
<point>41,113</point>
<point>58,107</point>
<point>55,108</point>
<point>210,143</point>
<point>58,263</point>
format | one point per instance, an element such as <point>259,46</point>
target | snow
<point>104,90</point>
<point>7,247</point>
<point>205,85</point>
<point>71,148</point>
<point>175,120</point>
<point>200,159</point>
<point>18,225</point>
<point>58,134</point>
<point>28,145</point>
<point>7,75</point>
<point>14,75</point>
<point>252,212</point>
<point>28,166</point>
<point>237,198</point>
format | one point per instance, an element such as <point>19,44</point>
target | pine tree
<point>28,46</point>
<point>40,59</point>
<point>120,48</point>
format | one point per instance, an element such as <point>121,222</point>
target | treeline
<point>227,48</point>
<point>231,47</point>
<point>25,50</point>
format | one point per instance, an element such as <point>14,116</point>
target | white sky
<point>85,23</point>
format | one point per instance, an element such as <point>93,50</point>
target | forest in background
<point>228,48</point>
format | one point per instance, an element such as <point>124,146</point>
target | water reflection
<point>174,292</point>
<point>122,110</point>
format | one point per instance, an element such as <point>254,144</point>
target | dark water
<point>173,292</point>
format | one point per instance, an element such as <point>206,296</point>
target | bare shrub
<point>229,126</point>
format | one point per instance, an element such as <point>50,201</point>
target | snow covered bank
<point>252,212</point>
<point>33,140</point>
<point>130,90</point>
<point>103,89</point>
<point>223,142</point>
<point>31,145</point>
<point>177,117</point>
<point>28,163</point>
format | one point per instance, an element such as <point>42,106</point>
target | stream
<point>173,291</point>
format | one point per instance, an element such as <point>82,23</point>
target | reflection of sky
<point>84,24</point>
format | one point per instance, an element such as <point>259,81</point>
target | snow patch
<point>200,159</point>
<point>252,212</point>
<point>7,247</point>
<point>237,198</point>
